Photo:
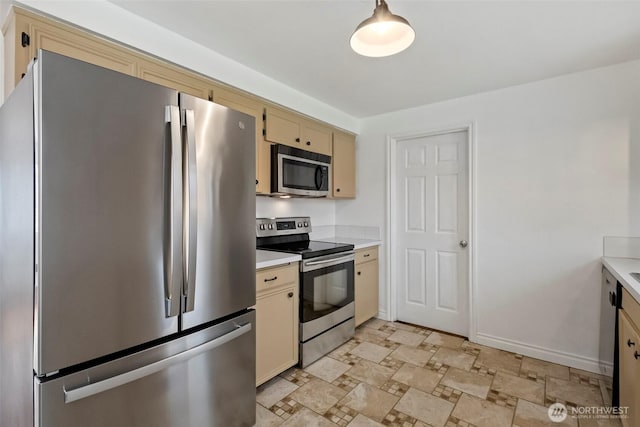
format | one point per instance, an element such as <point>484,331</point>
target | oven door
<point>302,177</point>
<point>327,286</point>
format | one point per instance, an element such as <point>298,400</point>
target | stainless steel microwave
<point>299,172</point>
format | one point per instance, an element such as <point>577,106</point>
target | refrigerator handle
<point>144,371</point>
<point>190,210</point>
<point>173,245</point>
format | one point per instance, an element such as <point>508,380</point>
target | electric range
<point>326,283</point>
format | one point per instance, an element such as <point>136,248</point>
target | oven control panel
<point>266,227</point>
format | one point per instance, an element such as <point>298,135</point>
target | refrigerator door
<point>16,256</point>
<point>206,378</point>
<point>109,196</point>
<point>221,247</point>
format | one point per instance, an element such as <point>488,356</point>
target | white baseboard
<point>563,358</point>
<point>382,314</point>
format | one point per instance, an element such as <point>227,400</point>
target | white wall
<point>554,176</point>
<point>107,19</point>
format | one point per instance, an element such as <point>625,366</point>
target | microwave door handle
<point>318,178</point>
<point>190,211</point>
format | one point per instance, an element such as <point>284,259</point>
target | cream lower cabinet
<point>366,284</point>
<point>629,358</point>
<point>276,321</point>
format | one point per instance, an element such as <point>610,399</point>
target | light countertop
<point>620,268</point>
<point>357,243</point>
<point>266,259</point>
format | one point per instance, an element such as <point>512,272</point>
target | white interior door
<point>432,231</point>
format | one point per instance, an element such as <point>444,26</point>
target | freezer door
<point>220,249</point>
<point>108,204</point>
<point>203,379</point>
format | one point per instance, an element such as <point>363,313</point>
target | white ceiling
<point>461,48</point>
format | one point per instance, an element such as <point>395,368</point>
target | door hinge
<point>26,40</point>
<point>264,117</point>
<point>264,132</point>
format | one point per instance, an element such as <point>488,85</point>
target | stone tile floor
<point>395,374</point>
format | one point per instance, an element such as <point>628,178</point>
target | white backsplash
<point>621,247</point>
<point>358,232</point>
<point>321,211</point>
<point>319,232</point>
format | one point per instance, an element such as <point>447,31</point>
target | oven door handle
<point>331,261</point>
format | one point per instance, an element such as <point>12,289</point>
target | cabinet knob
<point>308,142</point>
<point>630,343</point>
<point>337,190</point>
<point>636,354</point>
<point>256,182</point>
<point>290,294</point>
<point>297,139</point>
<point>359,273</point>
<point>272,279</point>
<point>463,243</point>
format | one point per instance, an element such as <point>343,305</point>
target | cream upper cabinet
<point>282,127</point>
<point>17,53</point>
<point>25,33</point>
<point>288,128</point>
<point>254,107</point>
<point>629,358</point>
<point>343,165</point>
<point>276,321</point>
<point>316,137</point>
<point>366,284</point>
<point>181,80</point>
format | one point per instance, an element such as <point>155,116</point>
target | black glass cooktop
<point>307,248</point>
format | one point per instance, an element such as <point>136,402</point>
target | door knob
<point>463,243</point>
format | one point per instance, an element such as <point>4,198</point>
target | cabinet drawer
<point>631,307</point>
<point>273,277</point>
<point>364,255</point>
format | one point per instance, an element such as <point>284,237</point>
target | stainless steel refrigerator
<point>127,253</point>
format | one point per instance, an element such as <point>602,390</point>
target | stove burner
<point>307,248</point>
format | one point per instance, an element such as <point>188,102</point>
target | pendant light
<point>383,34</point>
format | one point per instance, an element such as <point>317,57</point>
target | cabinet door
<point>79,45</point>
<point>343,164</point>
<point>316,137</point>
<point>276,332</point>
<point>16,56</point>
<point>629,343</point>
<point>282,127</point>
<point>366,291</point>
<point>180,80</point>
<point>254,108</point>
